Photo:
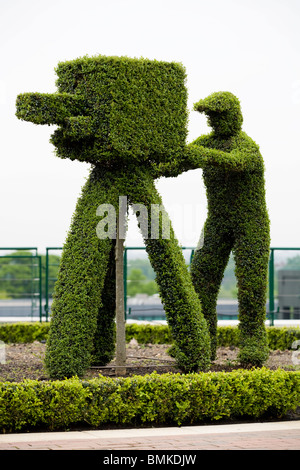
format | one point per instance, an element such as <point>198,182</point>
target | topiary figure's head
<point>223,111</point>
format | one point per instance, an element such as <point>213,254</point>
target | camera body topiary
<point>114,110</point>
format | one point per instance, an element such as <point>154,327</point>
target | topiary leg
<point>78,290</point>
<point>182,306</point>
<point>207,269</point>
<point>251,254</point>
<point>105,335</point>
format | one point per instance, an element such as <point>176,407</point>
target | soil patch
<point>26,361</point>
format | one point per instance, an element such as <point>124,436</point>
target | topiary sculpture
<point>125,117</point>
<point>233,172</point>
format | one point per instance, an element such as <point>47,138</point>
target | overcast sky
<point>248,47</point>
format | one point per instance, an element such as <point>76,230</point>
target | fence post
<point>46,285</point>
<point>40,286</point>
<point>271,287</point>
<point>125,282</point>
<point>120,317</point>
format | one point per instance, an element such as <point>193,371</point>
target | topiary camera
<point>128,118</point>
<point>113,108</point>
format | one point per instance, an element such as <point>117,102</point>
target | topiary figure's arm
<point>198,155</point>
<point>191,158</point>
<point>245,155</point>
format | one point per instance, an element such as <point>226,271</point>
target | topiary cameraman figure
<point>124,116</point>
<point>233,173</point>
<point>237,221</point>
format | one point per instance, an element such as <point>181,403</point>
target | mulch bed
<point>25,361</point>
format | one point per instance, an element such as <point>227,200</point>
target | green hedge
<point>152,399</point>
<point>278,337</point>
<point>23,332</point>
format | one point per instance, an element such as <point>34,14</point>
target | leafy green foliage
<point>17,274</point>
<point>223,111</point>
<point>278,337</point>
<point>78,309</point>
<point>137,283</point>
<point>86,284</point>
<point>147,333</point>
<point>238,222</point>
<point>171,399</point>
<point>143,264</point>
<point>23,332</point>
<point>181,304</point>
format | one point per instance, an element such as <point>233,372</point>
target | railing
<point>150,311</point>
<point>288,300</point>
<point>21,281</point>
<point>283,296</point>
<point>48,278</point>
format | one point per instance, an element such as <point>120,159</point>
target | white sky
<point>248,47</point>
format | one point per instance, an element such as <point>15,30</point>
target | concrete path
<point>284,435</point>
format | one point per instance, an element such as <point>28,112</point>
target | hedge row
<point>278,337</point>
<point>151,399</point>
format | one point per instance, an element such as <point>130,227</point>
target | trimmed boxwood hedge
<point>171,399</point>
<point>23,332</point>
<point>278,337</point>
<point>152,399</point>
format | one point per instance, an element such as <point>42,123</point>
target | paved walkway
<point>284,435</point>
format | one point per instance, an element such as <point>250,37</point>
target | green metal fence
<point>284,291</point>
<point>127,264</point>
<point>31,278</point>
<point>273,304</point>
<point>50,278</point>
<point>21,281</point>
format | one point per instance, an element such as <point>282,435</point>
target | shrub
<point>23,332</point>
<point>283,337</point>
<point>152,399</point>
<point>113,109</point>
<point>147,333</point>
<point>278,337</point>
